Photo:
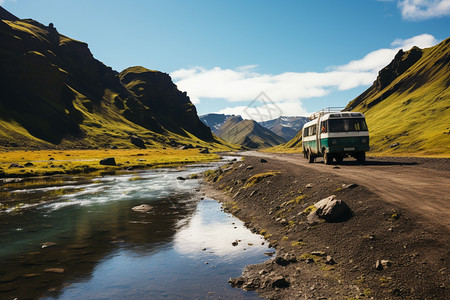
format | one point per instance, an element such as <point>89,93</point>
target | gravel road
<point>422,185</point>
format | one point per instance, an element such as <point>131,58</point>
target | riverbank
<point>384,251</point>
<point>24,163</point>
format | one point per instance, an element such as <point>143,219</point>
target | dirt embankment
<point>331,260</point>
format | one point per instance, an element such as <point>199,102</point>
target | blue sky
<point>303,55</point>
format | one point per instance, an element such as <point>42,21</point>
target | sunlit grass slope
<point>50,162</point>
<point>411,114</point>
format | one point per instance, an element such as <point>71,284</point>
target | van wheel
<point>310,157</point>
<point>327,158</point>
<point>339,159</point>
<point>361,157</point>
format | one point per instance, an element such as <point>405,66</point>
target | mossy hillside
<point>55,94</point>
<point>48,162</point>
<point>411,114</point>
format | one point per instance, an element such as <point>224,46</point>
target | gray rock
<point>378,265</point>
<point>110,161</point>
<point>142,208</point>
<point>313,218</point>
<point>330,260</point>
<point>332,209</point>
<point>279,282</point>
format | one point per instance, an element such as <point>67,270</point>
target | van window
<point>324,127</point>
<point>344,125</point>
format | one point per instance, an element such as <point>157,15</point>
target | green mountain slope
<point>53,92</point>
<point>408,106</point>
<point>248,133</point>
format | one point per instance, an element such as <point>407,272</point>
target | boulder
<point>110,161</point>
<point>138,142</point>
<point>142,208</point>
<point>279,282</point>
<point>332,209</point>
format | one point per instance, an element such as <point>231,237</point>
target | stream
<point>85,241</point>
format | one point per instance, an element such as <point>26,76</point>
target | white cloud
<point>288,89</point>
<point>378,59</point>
<point>417,10</point>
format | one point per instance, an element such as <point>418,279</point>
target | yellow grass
<point>79,161</point>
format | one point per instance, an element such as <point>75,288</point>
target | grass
<point>258,177</point>
<point>81,161</point>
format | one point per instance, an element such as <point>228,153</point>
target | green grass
<point>82,161</point>
<point>259,177</point>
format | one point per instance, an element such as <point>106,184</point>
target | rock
<point>249,168</point>
<point>236,282</point>
<point>29,164</point>
<point>332,209</point>
<point>181,178</point>
<point>48,244</point>
<point>349,186</point>
<point>313,218</point>
<point>378,265</point>
<point>279,282</point>
<point>54,270</point>
<point>138,142</point>
<point>114,147</point>
<point>204,151</point>
<point>385,263</point>
<point>263,160</point>
<point>330,260</point>
<point>394,145</point>
<point>290,257</point>
<point>318,253</point>
<point>142,208</point>
<point>235,243</point>
<point>281,261</point>
<point>110,161</point>
<point>309,185</point>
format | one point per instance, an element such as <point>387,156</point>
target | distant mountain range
<point>284,127</point>
<point>53,92</point>
<point>247,133</point>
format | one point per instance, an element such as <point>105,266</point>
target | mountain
<point>54,93</point>
<point>214,121</point>
<point>286,127</point>
<point>248,133</point>
<point>408,106</point>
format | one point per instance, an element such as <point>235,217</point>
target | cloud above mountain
<point>288,89</point>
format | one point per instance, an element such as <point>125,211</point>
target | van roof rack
<point>327,110</point>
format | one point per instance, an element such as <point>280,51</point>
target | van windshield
<point>344,125</point>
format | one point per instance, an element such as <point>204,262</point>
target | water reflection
<point>89,244</point>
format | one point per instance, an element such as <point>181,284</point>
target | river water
<point>86,242</point>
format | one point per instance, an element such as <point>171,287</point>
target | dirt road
<point>421,185</point>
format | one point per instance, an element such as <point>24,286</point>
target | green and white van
<point>335,134</point>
